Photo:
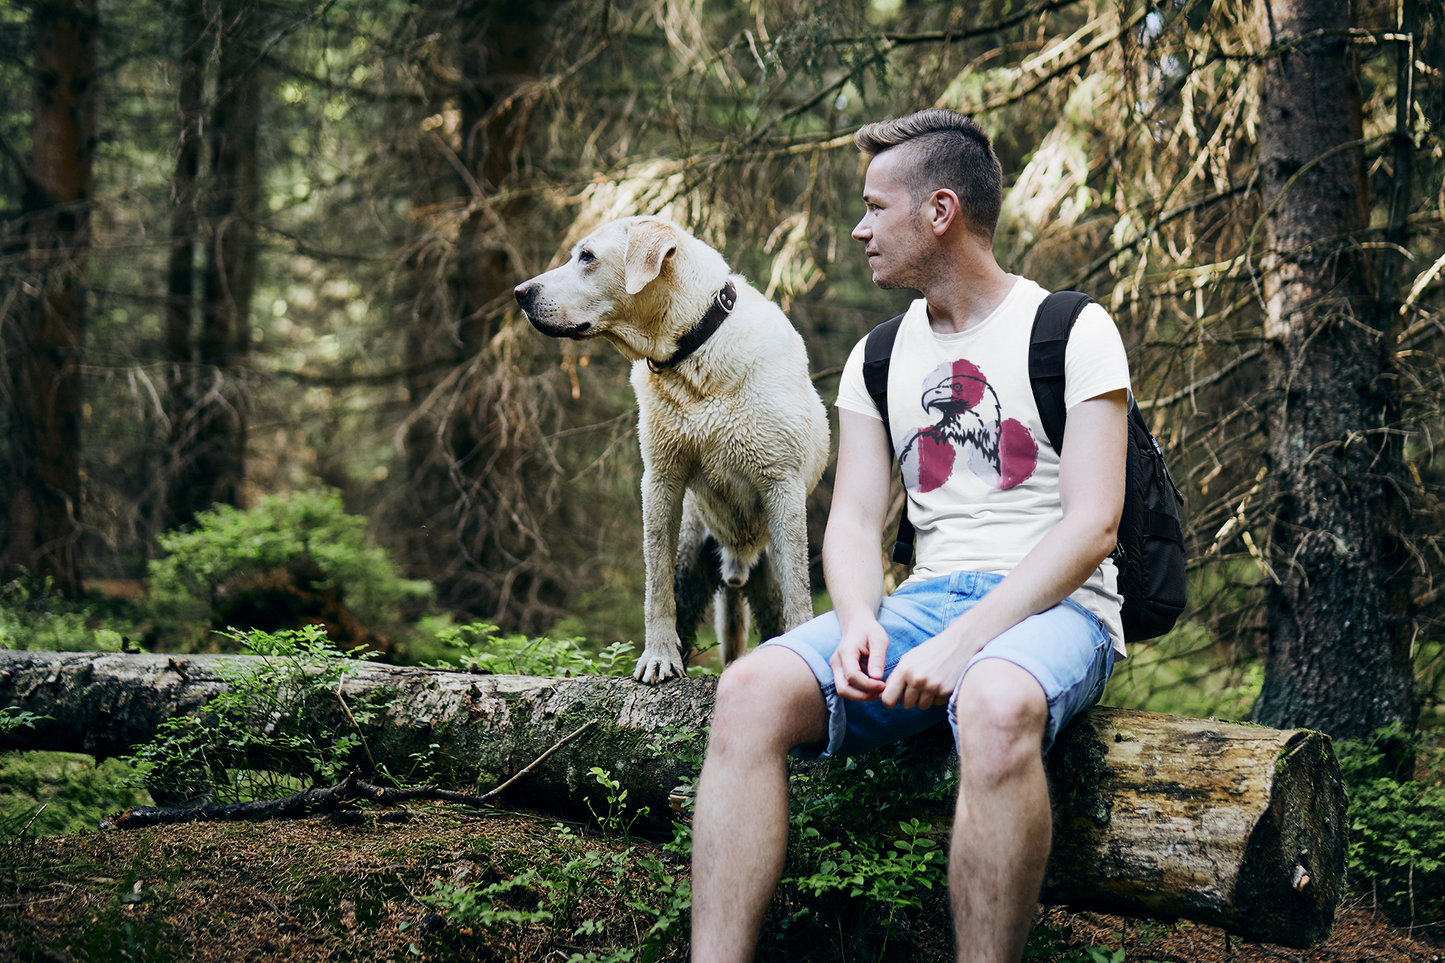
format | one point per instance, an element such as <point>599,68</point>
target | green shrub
<point>34,617</point>
<point>282,530</point>
<point>1397,828</point>
<point>476,647</point>
<point>262,739</point>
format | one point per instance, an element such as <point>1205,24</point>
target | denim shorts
<point>1066,648</point>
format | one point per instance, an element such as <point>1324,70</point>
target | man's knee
<point>1001,715</point>
<point>769,699</point>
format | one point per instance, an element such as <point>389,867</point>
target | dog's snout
<point>526,293</point>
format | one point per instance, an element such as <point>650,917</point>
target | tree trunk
<point>218,456</point>
<point>180,499</point>
<point>45,349</point>
<point>1237,826</point>
<point>1337,659</point>
<point>472,499</point>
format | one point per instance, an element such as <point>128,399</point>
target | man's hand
<point>927,675</point>
<point>859,660</point>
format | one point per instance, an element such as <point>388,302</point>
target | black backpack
<point>1150,553</point>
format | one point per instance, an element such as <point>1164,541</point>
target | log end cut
<point>1293,871</point>
<point>1238,826</point>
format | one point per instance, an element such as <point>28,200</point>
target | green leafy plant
<point>477,647</point>
<point>265,737</point>
<point>466,904</point>
<point>1397,828</point>
<point>12,718</point>
<point>305,528</point>
<point>616,819</point>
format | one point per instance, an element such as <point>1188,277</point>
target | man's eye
<point>585,257</point>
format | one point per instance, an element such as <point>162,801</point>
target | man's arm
<point>1091,488</point>
<point>852,563</point>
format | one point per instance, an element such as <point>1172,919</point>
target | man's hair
<point>944,150</point>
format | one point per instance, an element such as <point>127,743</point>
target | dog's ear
<point>649,243</point>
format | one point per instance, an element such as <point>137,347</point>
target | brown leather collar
<point>722,306</point>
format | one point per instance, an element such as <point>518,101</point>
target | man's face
<point>896,237</point>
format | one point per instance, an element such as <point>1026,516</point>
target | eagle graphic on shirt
<point>970,431</point>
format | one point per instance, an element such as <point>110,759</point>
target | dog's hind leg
<point>764,592</point>
<point>730,610</point>
<point>696,578</point>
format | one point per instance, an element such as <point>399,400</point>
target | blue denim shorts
<point>1066,648</point>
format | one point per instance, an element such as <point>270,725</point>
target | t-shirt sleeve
<point>852,390</point>
<point>1094,362</point>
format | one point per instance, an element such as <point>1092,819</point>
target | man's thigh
<point>911,616</point>
<point>1065,649</point>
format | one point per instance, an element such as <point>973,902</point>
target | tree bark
<point>43,532</point>
<point>473,503</point>
<point>214,467</point>
<point>181,493</point>
<point>1237,826</point>
<point>1338,660</point>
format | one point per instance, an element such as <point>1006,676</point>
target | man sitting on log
<point>1009,624</point>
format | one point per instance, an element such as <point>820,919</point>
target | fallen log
<point>1237,826</point>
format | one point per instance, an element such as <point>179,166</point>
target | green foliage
<point>12,718</point>
<point>263,738</point>
<point>34,617</point>
<point>556,894</point>
<point>1397,828</point>
<point>477,647</point>
<point>303,527</point>
<point>471,905</point>
<point>852,832</point>
<point>616,819</point>
<point>58,793</point>
<point>1185,673</point>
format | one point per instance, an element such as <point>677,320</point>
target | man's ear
<point>943,211</point>
<point>649,243</point>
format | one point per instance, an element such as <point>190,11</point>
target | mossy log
<point>1237,826</point>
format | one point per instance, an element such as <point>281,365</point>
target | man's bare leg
<point>767,702</point>
<point>1002,825</point>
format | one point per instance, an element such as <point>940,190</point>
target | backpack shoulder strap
<point>1047,345</point>
<point>877,354</point>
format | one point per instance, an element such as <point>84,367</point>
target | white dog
<point>733,433</point>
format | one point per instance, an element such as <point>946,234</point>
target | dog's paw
<point>655,667</point>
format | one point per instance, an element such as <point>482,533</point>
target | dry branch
<point>1234,825</point>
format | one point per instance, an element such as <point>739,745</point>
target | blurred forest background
<point>260,363</point>
<point>261,360</point>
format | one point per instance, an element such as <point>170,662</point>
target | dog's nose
<point>524,293</point>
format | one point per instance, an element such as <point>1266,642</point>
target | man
<point>1009,624</point>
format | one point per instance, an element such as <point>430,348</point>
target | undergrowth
<point>261,739</point>
<point>1397,826</point>
<point>478,647</point>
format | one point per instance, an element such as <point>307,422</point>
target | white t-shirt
<point>981,477</point>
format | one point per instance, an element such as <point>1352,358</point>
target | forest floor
<point>357,888</point>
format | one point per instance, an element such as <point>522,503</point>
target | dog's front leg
<point>787,507</point>
<point>662,495</point>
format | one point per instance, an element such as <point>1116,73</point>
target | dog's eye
<point>585,257</point>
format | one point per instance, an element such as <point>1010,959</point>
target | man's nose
<point>860,233</point>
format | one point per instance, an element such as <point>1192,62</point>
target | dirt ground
<point>354,888</point>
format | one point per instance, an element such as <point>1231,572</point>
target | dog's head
<point>633,282</point>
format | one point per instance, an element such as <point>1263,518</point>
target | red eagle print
<point>1000,451</point>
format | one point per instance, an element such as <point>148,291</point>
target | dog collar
<point>722,306</point>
